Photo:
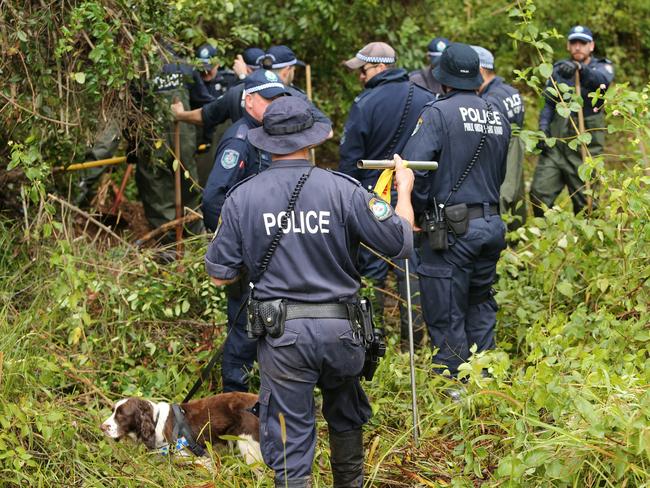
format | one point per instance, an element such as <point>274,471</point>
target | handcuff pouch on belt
<point>266,317</point>
<point>373,339</point>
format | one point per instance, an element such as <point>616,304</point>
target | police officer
<point>312,270</point>
<point>370,134</point>
<point>237,159</point>
<point>230,105</point>
<point>558,165</point>
<point>209,82</point>
<point>154,173</point>
<point>507,99</point>
<point>424,77</point>
<point>283,61</point>
<point>456,283</point>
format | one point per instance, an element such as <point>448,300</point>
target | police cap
<point>288,126</point>
<point>580,33</point>
<point>436,46</point>
<point>253,57</point>
<point>264,82</point>
<point>278,57</point>
<point>375,53</point>
<point>485,57</point>
<point>459,67</point>
<point>204,55</point>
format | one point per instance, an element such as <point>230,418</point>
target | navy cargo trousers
<point>456,286</point>
<point>310,353</point>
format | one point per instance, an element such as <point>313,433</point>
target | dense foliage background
<point>85,320</point>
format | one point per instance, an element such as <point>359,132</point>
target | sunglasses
<point>363,70</point>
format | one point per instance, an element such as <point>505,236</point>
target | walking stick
<point>414,404</point>
<point>583,146</point>
<point>177,181</point>
<point>312,151</point>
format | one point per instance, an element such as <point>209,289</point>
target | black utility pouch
<point>457,218</point>
<point>254,326</point>
<point>273,314</point>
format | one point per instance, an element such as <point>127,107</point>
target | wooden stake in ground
<point>583,146</point>
<point>177,181</point>
<point>312,151</point>
<point>118,198</point>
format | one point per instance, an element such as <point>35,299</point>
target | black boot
<point>293,483</point>
<point>347,458</point>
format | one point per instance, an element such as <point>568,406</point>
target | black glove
<point>541,144</point>
<point>567,69</point>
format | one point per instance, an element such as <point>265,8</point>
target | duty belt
<point>318,311</point>
<point>477,211</point>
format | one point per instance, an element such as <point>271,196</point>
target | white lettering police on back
<point>311,222</point>
<point>481,120</point>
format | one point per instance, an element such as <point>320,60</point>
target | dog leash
<point>205,373</point>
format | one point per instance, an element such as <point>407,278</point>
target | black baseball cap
<point>459,67</point>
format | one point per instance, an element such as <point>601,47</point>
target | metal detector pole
<point>414,404</point>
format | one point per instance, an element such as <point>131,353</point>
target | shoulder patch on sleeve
<point>417,126</point>
<point>229,158</point>
<point>380,209</point>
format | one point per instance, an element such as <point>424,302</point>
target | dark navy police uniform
<point>236,159</point>
<point>314,263</point>
<point>458,305</point>
<point>371,134</point>
<point>557,166</point>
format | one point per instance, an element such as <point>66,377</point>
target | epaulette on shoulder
<point>605,60</point>
<point>362,96</point>
<point>237,185</point>
<point>242,132</point>
<point>347,177</point>
<point>298,89</point>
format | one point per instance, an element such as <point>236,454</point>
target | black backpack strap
<point>402,122</point>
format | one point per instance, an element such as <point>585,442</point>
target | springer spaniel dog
<point>188,425</point>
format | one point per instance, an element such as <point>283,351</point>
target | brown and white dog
<point>208,419</point>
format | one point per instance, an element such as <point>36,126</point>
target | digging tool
<point>178,195</point>
<point>414,404</point>
<point>583,146</point>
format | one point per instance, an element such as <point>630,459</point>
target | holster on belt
<point>373,338</point>
<point>266,317</point>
